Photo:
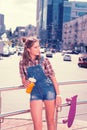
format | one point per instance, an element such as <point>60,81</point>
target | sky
<point>19,12</point>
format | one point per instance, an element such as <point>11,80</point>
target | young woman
<point>46,89</point>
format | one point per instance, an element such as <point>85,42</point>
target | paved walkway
<point>26,124</point>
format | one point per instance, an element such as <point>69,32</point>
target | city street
<point>64,70</point>
<point>60,26</point>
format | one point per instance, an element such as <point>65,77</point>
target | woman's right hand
<point>25,82</point>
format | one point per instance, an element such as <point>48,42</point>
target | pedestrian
<point>46,89</point>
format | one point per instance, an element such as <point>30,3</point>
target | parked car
<point>53,50</point>
<point>67,57</point>
<point>20,50</point>
<point>82,61</point>
<point>6,51</point>
<point>49,54</point>
<point>12,50</point>
<point>42,50</point>
<point>63,52</point>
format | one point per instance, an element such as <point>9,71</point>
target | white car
<point>42,50</point>
<point>49,54</point>
<point>6,51</point>
<point>11,50</point>
<point>67,57</point>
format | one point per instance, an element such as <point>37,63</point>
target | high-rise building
<point>51,14</point>
<point>73,10</point>
<point>50,21</point>
<point>2,26</point>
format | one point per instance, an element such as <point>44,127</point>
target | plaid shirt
<point>46,65</point>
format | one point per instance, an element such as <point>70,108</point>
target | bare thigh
<point>50,109</point>
<point>36,110</point>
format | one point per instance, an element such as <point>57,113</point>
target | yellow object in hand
<point>31,85</point>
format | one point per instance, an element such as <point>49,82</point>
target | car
<point>53,50</point>
<point>42,50</point>
<point>63,52</point>
<point>49,54</point>
<point>6,51</point>
<point>82,61</point>
<point>20,51</point>
<point>67,57</point>
<point>12,50</point>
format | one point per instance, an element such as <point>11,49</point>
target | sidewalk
<point>26,124</point>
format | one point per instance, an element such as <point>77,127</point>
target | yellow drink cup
<point>31,85</point>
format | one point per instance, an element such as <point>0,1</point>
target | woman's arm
<point>58,96</point>
<point>23,74</point>
<point>56,86</point>
<point>25,82</point>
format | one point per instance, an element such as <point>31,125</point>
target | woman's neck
<point>33,58</point>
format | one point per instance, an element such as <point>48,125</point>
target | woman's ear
<point>28,49</point>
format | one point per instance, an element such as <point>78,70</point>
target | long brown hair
<point>28,44</point>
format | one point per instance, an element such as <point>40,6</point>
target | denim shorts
<point>43,92</point>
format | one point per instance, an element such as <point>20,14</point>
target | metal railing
<point>2,116</point>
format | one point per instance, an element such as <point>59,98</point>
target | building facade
<point>2,25</point>
<point>73,10</point>
<point>75,34</point>
<point>52,14</point>
<point>50,21</point>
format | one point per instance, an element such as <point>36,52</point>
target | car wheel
<point>79,65</point>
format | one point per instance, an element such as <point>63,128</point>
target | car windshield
<point>85,59</point>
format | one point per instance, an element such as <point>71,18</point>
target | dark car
<point>82,62</point>
<point>53,50</point>
<point>20,50</point>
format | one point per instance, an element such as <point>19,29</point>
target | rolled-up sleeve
<point>48,68</point>
<point>21,69</point>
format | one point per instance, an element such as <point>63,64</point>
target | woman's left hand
<point>58,101</point>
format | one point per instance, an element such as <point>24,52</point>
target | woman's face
<point>34,50</point>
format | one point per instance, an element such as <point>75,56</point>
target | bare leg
<point>50,110</point>
<point>36,113</point>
